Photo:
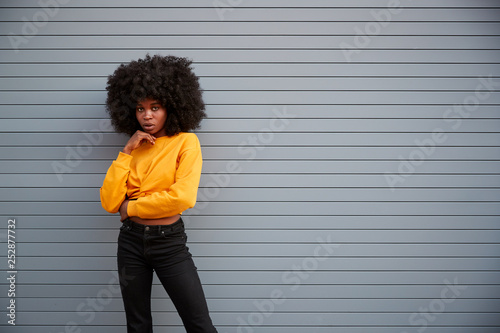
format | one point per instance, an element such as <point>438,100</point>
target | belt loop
<point>128,224</point>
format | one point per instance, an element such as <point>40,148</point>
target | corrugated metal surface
<point>350,181</point>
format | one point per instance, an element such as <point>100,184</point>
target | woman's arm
<point>179,196</point>
<point>114,188</point>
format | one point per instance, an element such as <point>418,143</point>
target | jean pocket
<point>178,235</point>
<point>124,227</point>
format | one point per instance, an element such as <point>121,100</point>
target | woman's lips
<point>148,126</point>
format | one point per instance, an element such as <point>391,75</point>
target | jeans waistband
<point>143,228</point>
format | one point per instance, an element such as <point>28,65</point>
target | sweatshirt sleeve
<point>114,188</point>
<point>181,195</point>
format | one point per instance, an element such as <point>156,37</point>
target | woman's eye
<point>154,108</point>
<point>140,109</point>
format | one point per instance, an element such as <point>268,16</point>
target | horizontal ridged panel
<point>230,194</point>
<point>294,305</point>
<point>299,319</point>
<point>454,4</point>
<point>254,167</point>
<point>200,222</point>
<point>252,111</point>
<point>69,156</point>
<point>262,42</point>
<point>278,98</point>
<point>275,278</point>
<point>250,14</point>
<point>85,69</point>
<point>389,179</point>
<point>284,236</point>
<point>262,292</point>
<point>33,249</point>
<point>93,137</point>
<point>269,126</point>
<point>266,56</point>
<point>253,28</point>
<point>356,104</point>
<point>279,329</point>
<point>264,83</point>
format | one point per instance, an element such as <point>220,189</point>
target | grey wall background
<point>353,129</point>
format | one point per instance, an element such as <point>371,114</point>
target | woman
<point>156,100</point>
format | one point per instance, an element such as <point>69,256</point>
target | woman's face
<point>151,115</point>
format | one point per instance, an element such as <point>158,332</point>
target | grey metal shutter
<point>350,181</point>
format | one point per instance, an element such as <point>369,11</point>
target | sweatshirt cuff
<point>123,160</point>
<point>132,208</point>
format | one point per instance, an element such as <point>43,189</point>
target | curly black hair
<point>167,79</point>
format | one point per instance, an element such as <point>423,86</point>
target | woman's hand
<point>123,210</point>
<point>136,140</point>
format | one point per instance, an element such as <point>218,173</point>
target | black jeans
<point>142,249</point>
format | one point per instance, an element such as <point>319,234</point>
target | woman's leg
<point>136,277</point>
<point>178,274</point>
<point>186,292</point>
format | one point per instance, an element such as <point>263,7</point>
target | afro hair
<point>167,79</point>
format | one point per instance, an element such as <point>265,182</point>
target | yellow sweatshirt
<point>163,178</point>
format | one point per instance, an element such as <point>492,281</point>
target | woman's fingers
<point>140,135</point>
<point>123,210</point>
<point>136,140</point>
